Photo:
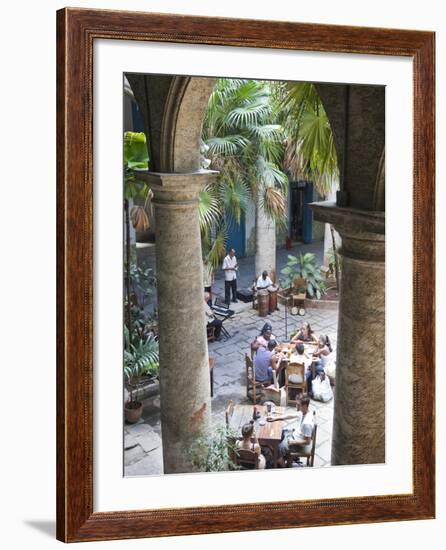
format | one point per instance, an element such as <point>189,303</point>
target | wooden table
<point>268,435</point>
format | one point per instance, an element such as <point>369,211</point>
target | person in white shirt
<point>263,281</point>
<point>298,438</point>
<point>230,267</point>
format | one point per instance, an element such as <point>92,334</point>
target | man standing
<point>230,268</point>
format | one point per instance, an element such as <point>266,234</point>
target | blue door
<point>307,214</point>
<point>236,234</point>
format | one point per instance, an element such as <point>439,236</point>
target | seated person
<point>301,357</point>
<point>250,443</point>
<point>265,362</point>
<point>211,320</point>
<point>305,334</point>
<point>323,350</point>
<point>264,337</point>
<point>263,281</point>
<point>321,388</point>
<point>299,437</point>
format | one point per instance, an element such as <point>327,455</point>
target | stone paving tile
<point>135,454</point>
<point>150,464</point>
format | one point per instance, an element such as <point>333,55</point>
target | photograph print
<point>253,274</point>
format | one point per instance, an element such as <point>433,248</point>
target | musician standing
<point>230,267</point>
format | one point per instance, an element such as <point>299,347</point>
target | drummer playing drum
<point>263,282</point>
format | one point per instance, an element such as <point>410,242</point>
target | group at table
<point>315,353</point>
<point>270,436</point>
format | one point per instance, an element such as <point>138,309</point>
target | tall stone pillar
<point>265,258</point>
<point>184,368</point>
<point>359,407</point>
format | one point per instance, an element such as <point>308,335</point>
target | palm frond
<point>270,175</point>
<point>273,202</point>
<point>228,145</point>
<point>208,206</point>
<point>235,195</point>
<point>218,248</point>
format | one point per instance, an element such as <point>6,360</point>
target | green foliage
<point>135,158</point>
<point>246,146</point>
<point>214,453</point>
<point>305,266</point>
<point>140,320</point>
<point>209,208</point>
<point>135,150</point>
<point>142,281</point>
<point>311,152</point>
<point>139,359</point>
<point>332,255</point>
<point>214,247</point>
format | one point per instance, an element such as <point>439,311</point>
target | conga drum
<point>263,302</point>
<point>272,291</point>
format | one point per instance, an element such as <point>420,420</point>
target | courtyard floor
<point>142,441</point>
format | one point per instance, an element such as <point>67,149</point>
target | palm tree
<point>310,151</point>
<point>245,143</point>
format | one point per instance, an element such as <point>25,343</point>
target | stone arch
<point>173,109</point>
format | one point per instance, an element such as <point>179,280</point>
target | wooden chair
<point>272,392</point>
<point>210,331</point>
<point>298,372</point>
<point>254,389</point>
<point>229,412</point>
<point>295,455</point>
<point>247,459</point>
<point>299,293</point>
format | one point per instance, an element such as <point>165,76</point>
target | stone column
<point>184,368</point>
<point>359,407</point>
<point>265,258</point>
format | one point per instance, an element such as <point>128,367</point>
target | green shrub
<point>305,266</point>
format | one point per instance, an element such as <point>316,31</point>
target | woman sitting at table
<point>250,443</point>
<point>305,335</point>
<point>323,350</point>
<point>265,336</point>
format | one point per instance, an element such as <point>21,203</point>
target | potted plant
<point>141,358</point>
<point>303,267</point>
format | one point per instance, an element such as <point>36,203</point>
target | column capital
<point>177,188</point>
<point>362,231</point>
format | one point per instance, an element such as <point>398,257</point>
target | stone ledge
<point>350,219</point>
<point>147,390</point>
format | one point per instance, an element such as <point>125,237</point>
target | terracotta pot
<point>132,415</point>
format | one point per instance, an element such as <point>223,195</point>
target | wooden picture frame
<point>76,31</point>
